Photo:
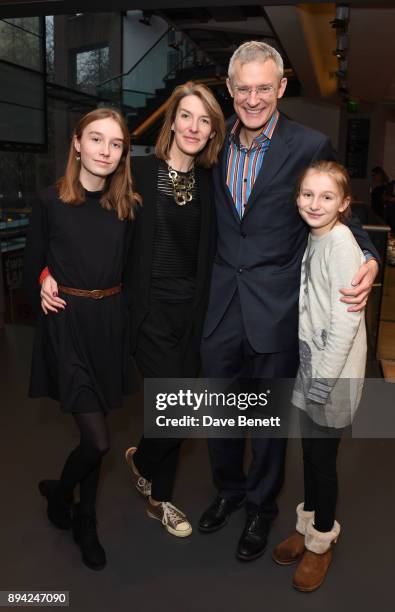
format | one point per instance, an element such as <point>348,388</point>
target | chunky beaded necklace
<point>182,186</point>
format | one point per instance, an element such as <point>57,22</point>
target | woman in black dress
<point>169,271</point>
<point>80,230</point>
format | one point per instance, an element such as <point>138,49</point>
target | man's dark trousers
<point>227,353</point>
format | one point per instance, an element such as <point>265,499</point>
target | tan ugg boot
<point>314,565</point>
<point>289,550</point>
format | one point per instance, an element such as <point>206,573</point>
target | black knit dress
<point>81,354</point>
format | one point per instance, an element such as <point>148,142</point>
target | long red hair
<point>118,194</point>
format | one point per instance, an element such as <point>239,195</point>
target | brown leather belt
<point>95,294</point>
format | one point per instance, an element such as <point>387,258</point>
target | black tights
<point>84,462</point>
<point>320,479</point>
<point>320,450</point>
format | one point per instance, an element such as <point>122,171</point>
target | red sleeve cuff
<point>43,275</point>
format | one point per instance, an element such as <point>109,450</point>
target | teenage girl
<point>80,231</point>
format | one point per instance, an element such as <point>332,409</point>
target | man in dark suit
<point>251,327</point>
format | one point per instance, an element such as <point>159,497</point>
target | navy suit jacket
<point>261,254</point>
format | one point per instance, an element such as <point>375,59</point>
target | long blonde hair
<point>119,194</point>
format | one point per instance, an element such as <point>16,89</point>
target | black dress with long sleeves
<point>81,354</point>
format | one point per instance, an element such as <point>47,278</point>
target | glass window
<point>92,67</point>
<point>50,46</point>
<point>21,41</point>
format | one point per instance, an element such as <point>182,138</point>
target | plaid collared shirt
<point>243,165</point>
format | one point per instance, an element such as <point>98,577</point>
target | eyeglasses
<point>262,91</point>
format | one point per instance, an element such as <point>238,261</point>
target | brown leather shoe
<point>312,570</point>
<point>289,550</point>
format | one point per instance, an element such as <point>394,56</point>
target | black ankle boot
<point>59,508</point>
<point>85,535</point>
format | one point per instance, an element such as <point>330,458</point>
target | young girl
<point>80,230</point>
<point>332,346</point>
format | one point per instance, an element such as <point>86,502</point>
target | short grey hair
<point>255,51</point>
